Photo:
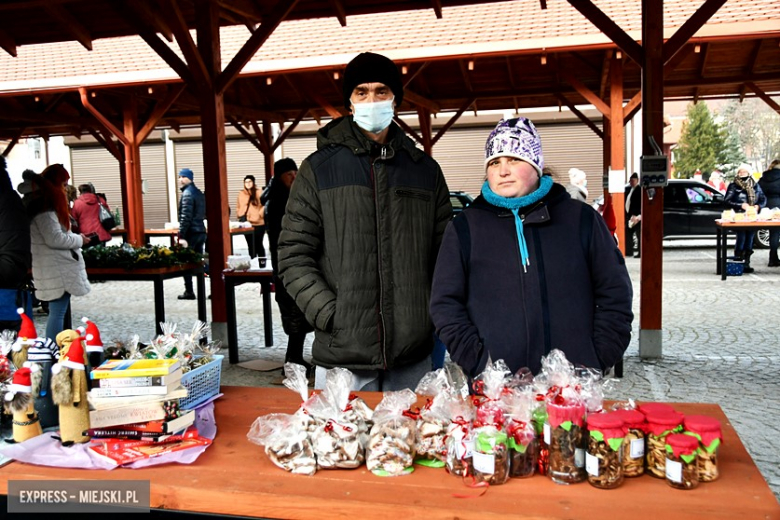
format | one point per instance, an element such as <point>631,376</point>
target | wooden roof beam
<point>7,43</point>
<point>632,107</point>
<point>330,109</point>
<point>107,143</point>
<point>751,67</point>
<point>690,27</point>
<point>678,58</point>
<point>249,137</point>
<point>421,101</point>
<point>258,38</point>
<point>409,130</point>
<point>152,18</point>
<point>195,63</point>
<point>289,129</point>
<point>511,73</point>
<point>245,8</point>
<point>613,31</point>
<point>14,141</point>
<point>464,71</point>
<point>763,95</point>
<point>585,119</point>
<point>70,24</point>
<point>465,106</point>
<point>543,4</point>
<point>705,52</point>
<point>605,72</point>
<point>436,4</point>
<point>588,94</point>
<point>341,14</point>
<point>160,108</point>
<point>101,119</point>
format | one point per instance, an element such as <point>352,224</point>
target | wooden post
<point>268,158</point>
<point>134,201</point>
<point>617,159</point>
<point>214,160</point>
<point>650,303</point>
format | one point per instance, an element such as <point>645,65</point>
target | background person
<point>250,209</point>
<point>578,183</point>
<point>743,194</point>
<point>634,217</point>
<point>525,269</point>
<point>275,202</point>
<point>192,230</point>
<point>57,265</point>
<point>86,212</point>
<point>770,185</point>
<point>359,240</point>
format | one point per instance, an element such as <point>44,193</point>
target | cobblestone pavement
<point>721,340</point>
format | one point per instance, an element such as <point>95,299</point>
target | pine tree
<point>731,155</point>
<point>700,144</point>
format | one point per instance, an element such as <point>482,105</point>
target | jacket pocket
<point>413,194</point>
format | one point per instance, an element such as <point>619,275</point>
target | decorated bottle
<point>523,449</point>
<point>681,470</point>
<point>604,459</point>
<point>564,434</point>
<point>707,431</point>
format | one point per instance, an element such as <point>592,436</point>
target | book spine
<point>127,382</point>
<point>107,433</point>
<point>129,391</point>
<point>131,372</point>
<point>126,415</point>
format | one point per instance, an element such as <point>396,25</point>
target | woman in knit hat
<point>249,209</point>
<point>744,194</point>
<point>525,269</point>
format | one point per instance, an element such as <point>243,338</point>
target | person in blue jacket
<point>743,194</point>
<point>192,229</point>
<point>525,269</point>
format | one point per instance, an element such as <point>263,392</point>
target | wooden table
<point>234,477</point>
<point>723,227</point>
<point>234,278</point>
<point>156,275</point>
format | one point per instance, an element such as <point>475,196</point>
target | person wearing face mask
<point>744,194</point>
<point>360,237</point>
<point>526,269</point>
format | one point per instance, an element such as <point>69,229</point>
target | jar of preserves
<point>523,449</point>
<point>647,408</point>
<point>680,468</point>
<point>634,445</point>
<point>603,461</point>
<point>707,431</point>
<point>660,424</point>
<point>460,447</point>
<point>565,436</point>
<point>541,427</point>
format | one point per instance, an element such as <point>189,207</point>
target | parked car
<point>460,201</point>
<point>690,208</point>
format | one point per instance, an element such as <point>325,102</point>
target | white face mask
<point>373,117</point>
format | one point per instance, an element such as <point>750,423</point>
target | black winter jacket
<point>15,255</point>
<point>192,211</point>
<point>736,196</point>
<point>770,185</point>
<point>358,246</point>
<point>575,296</point>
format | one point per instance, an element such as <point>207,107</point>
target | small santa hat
<point>22,383</point>
<point>94,343</point>
<point>28,327</point>
<point>74,359</point>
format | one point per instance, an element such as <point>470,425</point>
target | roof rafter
<point>7,43</point>
<point>612,30</point>
<point>436,4</point>
<point>341,14</point>
<point>751,67</point>
<point>71,24</point>
<point>194,60</point>
<point>690,27</point>
<point>421,101</point>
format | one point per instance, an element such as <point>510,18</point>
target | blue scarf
<point>515,205</point>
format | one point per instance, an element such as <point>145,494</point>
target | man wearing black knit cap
<point>360,237</point>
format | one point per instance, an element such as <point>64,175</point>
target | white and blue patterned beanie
<point>518,138</point>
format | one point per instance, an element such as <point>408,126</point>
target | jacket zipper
<point>413,194</point>
<point>382,335</point>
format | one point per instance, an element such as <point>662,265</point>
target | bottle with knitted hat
<point>603,461</point>
<point>19,401</point>
<point>69,388</point>
<point>680,469</point>
<point>43,353</point>
<point>26,336</point>
<point>707,431</point>
<point>94,343</point>
<point>634,446</point>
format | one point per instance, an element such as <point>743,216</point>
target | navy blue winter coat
<point>192,211</point>
<point>575,296</point>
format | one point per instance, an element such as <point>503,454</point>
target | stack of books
<point>134,412</point>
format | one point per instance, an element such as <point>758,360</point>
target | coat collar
<point>537,213</point>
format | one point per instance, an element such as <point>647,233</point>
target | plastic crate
<point>734,268</point>
<point>201,383</point>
